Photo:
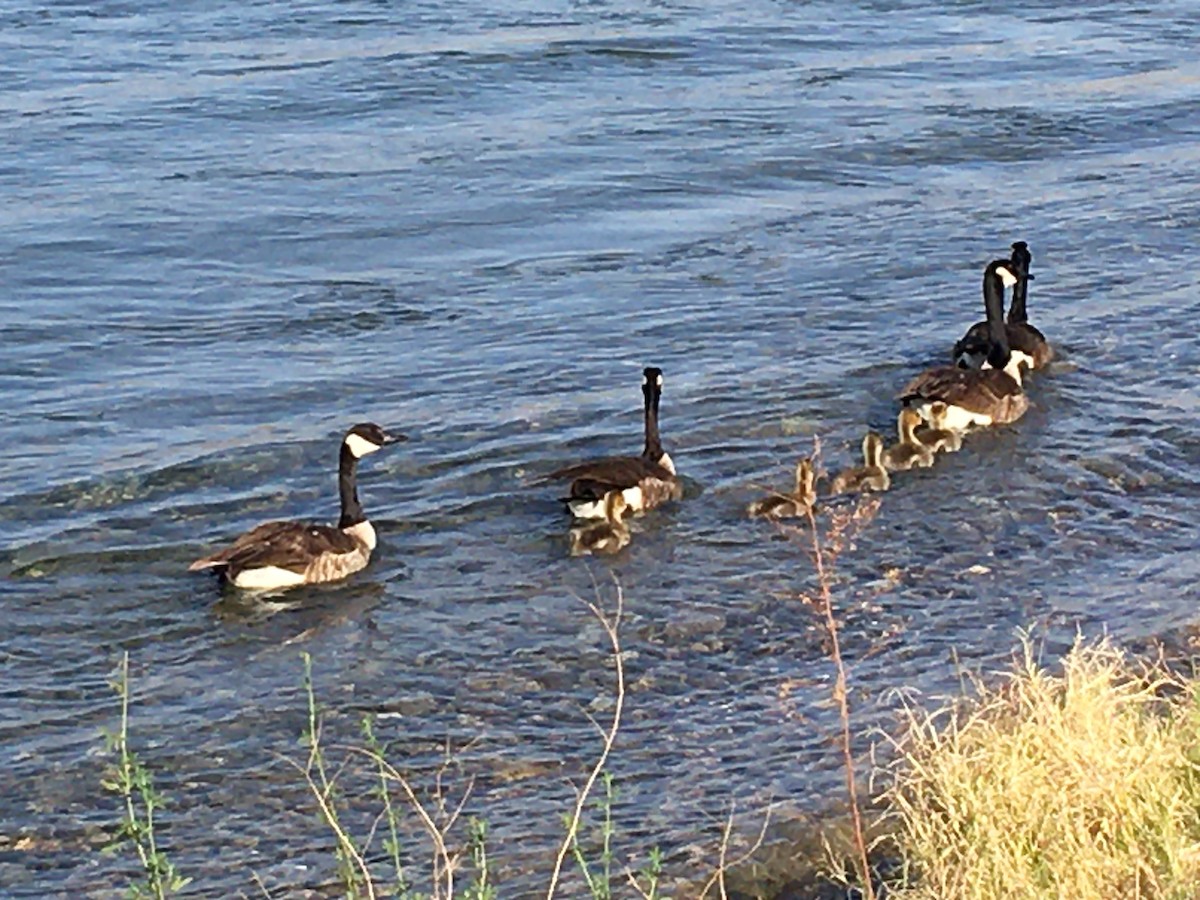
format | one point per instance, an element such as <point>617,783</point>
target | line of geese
<point>982,388</point>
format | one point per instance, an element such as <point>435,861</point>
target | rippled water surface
<point>229,233</point>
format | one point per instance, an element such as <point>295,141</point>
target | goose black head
<point>1021,258</point>
<point>367,437</point>
<point>652,379</point>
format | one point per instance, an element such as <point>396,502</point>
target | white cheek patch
<point>267,578</point>
<point>359,445</point>
<point>1007,276</point>
<point>660,381</point>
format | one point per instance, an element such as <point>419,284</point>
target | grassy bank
<point>1081,781</point>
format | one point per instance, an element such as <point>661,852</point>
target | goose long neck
<point>352,511</point>
<point>1020,266</point>
<point>993,302</point>
<point>654,448</point>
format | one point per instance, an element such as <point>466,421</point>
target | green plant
<point>651,873</point>
<point>391,844</point>
<point>599,884</point>
<point>130,780</point>
<point>352,868</point>
<point>479,889</point>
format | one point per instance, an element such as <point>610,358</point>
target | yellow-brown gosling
<point>278,555</point>
<point>608,535</point>
<point>871,476</point>
<point>909,452</point>
<point>789,506</point>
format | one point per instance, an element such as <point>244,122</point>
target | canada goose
<point>871,476</point>
<point>646,481</point>
<point>606,536</point>
<point>991,396</point>
<point>937,437</point>
<point>788,506</point>
<point>910,452</point>
<point>1027,344</point>
<point>279,555</point>
<point>1028,339</point>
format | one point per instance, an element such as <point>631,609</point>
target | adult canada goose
<point>606,536</point>
<point>1025,342</point>
<point>990,396</point>
<point>910,452</point>
<point>1027,338</point>
<point>871,476</point>
<point>646,481</point>
<point>937,437</point>
<point>278,555</point>
<point>788,506</point>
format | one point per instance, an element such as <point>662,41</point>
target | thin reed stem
<point>843,701</point>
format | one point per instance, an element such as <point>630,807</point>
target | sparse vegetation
<point>132,782</point>
<point>1079,783</point>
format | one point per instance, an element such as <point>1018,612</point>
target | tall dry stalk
<point>843,525</point>
<point>610,626</point>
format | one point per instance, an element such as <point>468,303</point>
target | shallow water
<point>228,234</point>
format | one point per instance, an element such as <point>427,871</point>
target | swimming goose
<point>646,481</point>
<point>606,536</point>
<point>990,396</point>
<point>937,437</point>
<point>1028,339</point>
<point>910,452</point>
<point>871,476</point>
<point>278,555</point>
<point>788,506</point>
<point>1026,343</point>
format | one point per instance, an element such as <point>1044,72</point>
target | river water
<point>229,233</point>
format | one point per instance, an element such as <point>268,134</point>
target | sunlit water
<point>227,235</point>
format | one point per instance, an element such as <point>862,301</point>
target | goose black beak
<point>394,437</point>
<point>1029,278</point>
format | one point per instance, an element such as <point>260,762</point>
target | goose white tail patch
<point>594,509</point>
<point>1016,360</point>
<point>359,446</point>
<point>267,578</point>
<point>956,418</point>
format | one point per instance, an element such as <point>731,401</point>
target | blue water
<point>227,234</point>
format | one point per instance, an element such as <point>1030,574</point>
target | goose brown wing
<point>592,480</point>
<point>960,387</point>
<point>285,545</point>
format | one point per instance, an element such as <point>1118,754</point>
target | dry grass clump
<point>1079,785</point>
